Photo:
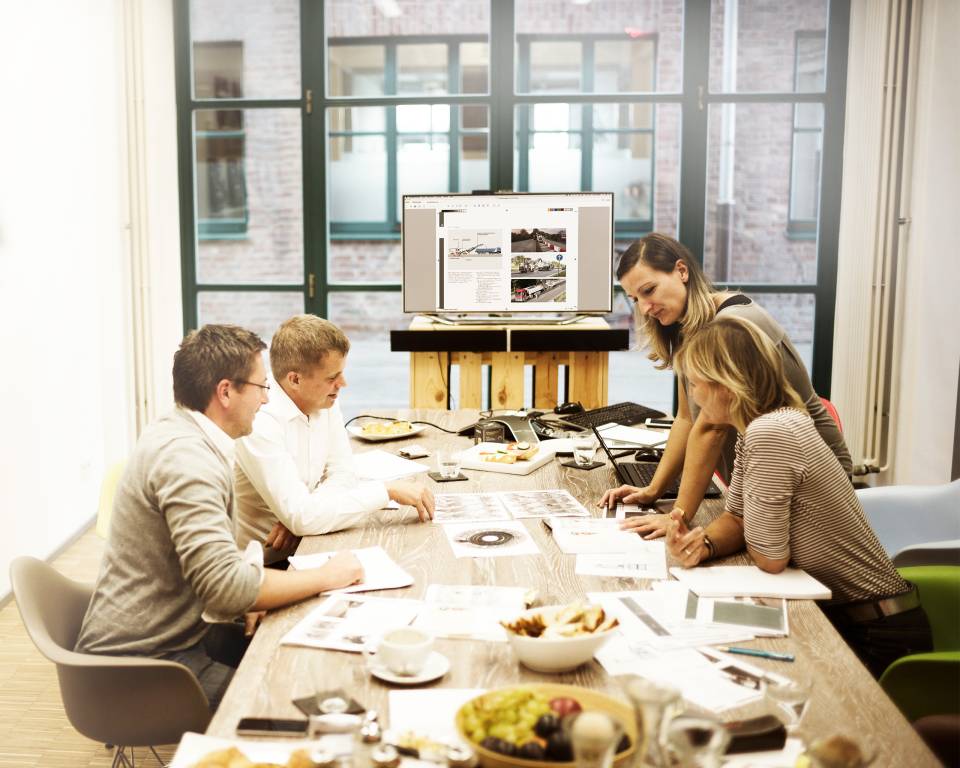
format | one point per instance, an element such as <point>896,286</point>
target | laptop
<point>640,473</point>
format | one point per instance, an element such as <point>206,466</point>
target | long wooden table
<point>845,699</point>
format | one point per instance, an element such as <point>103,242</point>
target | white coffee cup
<point>404,650</point>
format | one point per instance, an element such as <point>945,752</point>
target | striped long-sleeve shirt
<point>796,501</point>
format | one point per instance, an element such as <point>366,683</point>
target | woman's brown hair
<point>662,253</point>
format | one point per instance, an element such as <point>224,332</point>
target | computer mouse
<point>569,407</point>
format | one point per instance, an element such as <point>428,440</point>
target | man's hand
<point>343,569</point>
<point>281,539</point>
<point>406,493</point>
<point>685,545</point>
<point>251,621</point>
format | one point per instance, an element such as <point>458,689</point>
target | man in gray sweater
<point>172,566</point>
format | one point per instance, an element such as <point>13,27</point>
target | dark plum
<point>559,748</point>
<point>546,724</point>
<point>623,744</point>
<point>531,751</point>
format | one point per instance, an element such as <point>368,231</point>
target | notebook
<point>750,581</point>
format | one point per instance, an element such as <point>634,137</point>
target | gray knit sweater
<point>171,554</point>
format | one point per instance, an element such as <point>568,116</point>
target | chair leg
<point>122,760</point>
<point>159,759</point>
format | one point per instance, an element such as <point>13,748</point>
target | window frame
<point>802,228</point>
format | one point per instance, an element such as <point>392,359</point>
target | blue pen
<point>760,654</point>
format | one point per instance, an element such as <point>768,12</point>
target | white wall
<point>925,418</point>
<point>65,289</point>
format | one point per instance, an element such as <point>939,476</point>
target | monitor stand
<point>505,318</point>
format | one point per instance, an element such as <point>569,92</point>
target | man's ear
<point>222,392</point>
<point>293,379</point>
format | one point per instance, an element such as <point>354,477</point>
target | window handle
<point>311,286</point>
<point>309,98</point>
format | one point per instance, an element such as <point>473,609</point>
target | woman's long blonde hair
<point>662,253</point>
<point>735,354</point>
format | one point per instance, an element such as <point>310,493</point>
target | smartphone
<point>659,423</point>
<point>271,726</point>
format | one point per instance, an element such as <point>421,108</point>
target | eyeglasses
<point>265,387</point>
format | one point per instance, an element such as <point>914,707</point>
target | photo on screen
<point>537,266</point>
<point>546,291</point>
<point>536,240</point>
<point>472,242</point>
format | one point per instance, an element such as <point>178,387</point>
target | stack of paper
<point>620,436</point>
<point>750,581</point>
<point>380,571</point>
<point>380,465</point>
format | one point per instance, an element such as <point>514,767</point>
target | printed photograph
<point>545,291</point>
<point>538,240</point>
<point>537,266</point>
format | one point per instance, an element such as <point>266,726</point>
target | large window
<point>304,122</point>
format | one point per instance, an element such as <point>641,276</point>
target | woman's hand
<point>628,494</point>
<point>652,526</point>
<point>685,545</point>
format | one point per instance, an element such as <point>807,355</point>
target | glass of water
<point>584,446</point>
<point>791,698</point>
<point>697,742</point>
<point>448,463</point>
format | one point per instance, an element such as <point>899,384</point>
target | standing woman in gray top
<point>674,301</point>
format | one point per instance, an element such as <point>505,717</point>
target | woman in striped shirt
<point>790,501</point>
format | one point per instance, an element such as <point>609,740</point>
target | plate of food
<point>511,458</point>
<point>377,431</point>
<point>559,638</point>
<point>522,726</point>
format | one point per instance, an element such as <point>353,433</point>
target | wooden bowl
<point>591,701</point>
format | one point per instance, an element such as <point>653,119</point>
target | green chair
<point>929,683</point>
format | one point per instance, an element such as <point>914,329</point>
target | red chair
<point>834,413</point>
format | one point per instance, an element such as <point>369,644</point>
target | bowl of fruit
<point>523,726</point>
<point>558,638</point>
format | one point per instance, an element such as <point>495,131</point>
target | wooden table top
<point>846,699</point>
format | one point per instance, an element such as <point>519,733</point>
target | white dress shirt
<point>299,470</point>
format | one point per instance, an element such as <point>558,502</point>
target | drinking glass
<point>697,742</point>
<point>448,463</point>
<point>791,698</point>
<point>594,737</point>
<point>654,705</point>
<point>584,446</point>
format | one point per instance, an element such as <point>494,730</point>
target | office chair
<point>122,700</point>
<point>927,683</point>
<point>916,524</point>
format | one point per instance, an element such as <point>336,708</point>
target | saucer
<point>436,667</point>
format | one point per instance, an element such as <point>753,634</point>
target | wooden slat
<point>506,389</point>
<point>428,379</point>
<point>587,379</point>
<point>471,388</point>
<point>545,378</point>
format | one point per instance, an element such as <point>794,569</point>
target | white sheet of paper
<point>737,611</point>
<point>194,746</point>
<point>429,713</point>
<point>599,535</point>
<point>778,758</point>
<point>632,436</point>
<point>548,503</point>
<point>468,611</point>
<point>750,581</point>
<point>380,571</point>
<point>647,563</point>
<point>500,539</point>
<point>380,465</point>
<point>468,508</point>
<point>348,623</point>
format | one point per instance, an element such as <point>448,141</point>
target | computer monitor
<point>508,253</point>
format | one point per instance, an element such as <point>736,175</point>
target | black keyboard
<point>640,474</point>
<point>621,413</point>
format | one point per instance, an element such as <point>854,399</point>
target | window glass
<point>376,377</point>
<point>245,49</point>
<point>747,238</point>
<point>753,44</point>
<point>357,164</point>
<point>249,200</point>
<point>363,261</point>
<point>399,67</point>
<point>633,46</point>
<point>632,377</point>
<point>258,311</point>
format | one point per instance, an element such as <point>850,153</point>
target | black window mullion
<point>694,118</point>
<point>315,213</point>
<point>586,115</point>
<point>453,86</point>
<point>502,98</point>
<point>186,153</point>
<point>390,87</point>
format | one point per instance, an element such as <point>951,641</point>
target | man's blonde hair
<point>737,355</point>
<point>302,343</point>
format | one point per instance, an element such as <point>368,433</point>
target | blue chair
<point>916,524</point>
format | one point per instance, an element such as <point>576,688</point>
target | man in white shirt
<point>295,474</point>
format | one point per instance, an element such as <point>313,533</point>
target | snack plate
<point>357,431</point>
<point>590,701</point>
<point>472,459</point>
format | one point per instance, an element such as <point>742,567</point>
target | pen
<point>760,654</point>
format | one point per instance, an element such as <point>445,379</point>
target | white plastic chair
<point>916,524</point>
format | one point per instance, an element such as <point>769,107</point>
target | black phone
<point>271,726</point>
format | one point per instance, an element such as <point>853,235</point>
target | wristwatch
<point>708,543</point>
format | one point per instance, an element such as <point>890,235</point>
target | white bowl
<point>555,655</point>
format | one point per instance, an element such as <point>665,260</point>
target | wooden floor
<point>34,730</point>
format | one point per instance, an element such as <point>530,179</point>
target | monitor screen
<point>509,252</point>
